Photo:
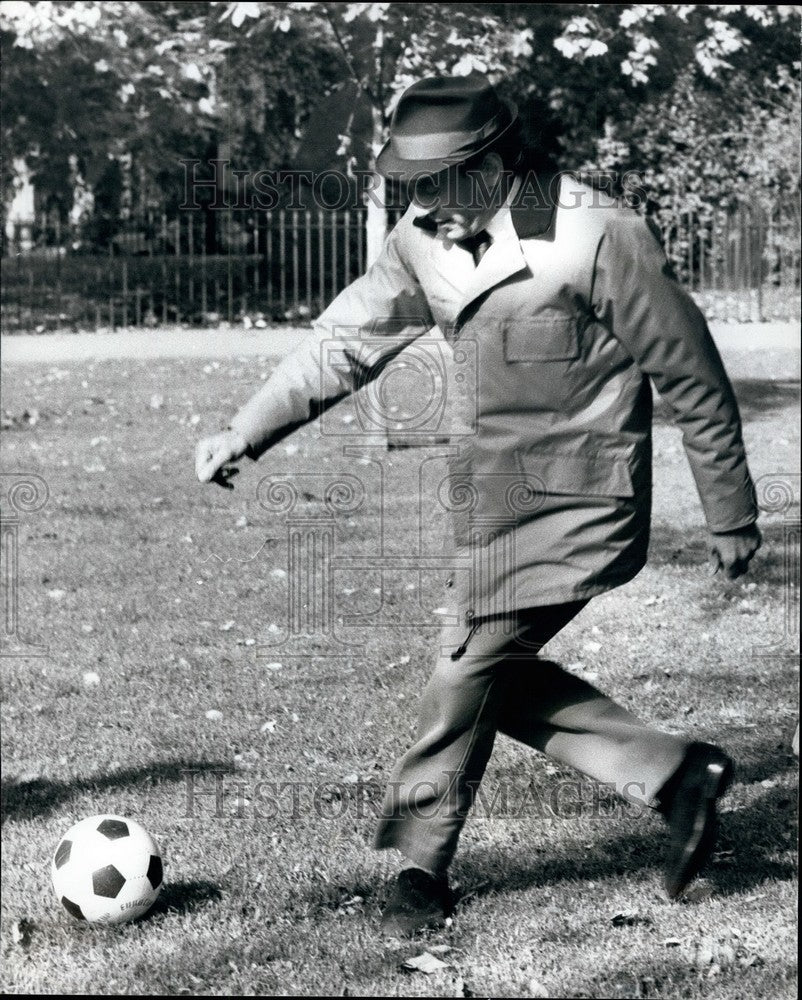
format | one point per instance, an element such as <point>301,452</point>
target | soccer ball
<point>107,869</point>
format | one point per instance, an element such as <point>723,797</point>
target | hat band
<point>441,145</point>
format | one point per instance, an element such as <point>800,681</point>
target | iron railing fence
<point>286,265</point>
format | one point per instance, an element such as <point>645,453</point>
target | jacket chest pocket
<point>545,337</point>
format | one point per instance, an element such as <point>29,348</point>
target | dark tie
<point>477,245</point>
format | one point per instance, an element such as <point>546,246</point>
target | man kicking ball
<point>572,309</point>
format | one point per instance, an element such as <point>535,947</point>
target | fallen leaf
<point>704,952</point>
<point>91,679</point>
<point>592,647</point>
<point>21,932</point>
<point>750,961</point>
<point>630,918</point>
<point>214,715</point>
<point>672,942</point>
<point>156,401</point>
<point>726,955</point>
<point>424,963</point>
<point>227,626</point>
<point>268,727</point>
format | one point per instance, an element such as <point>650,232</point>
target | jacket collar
<point>533,212</point>
<point>534,206</point>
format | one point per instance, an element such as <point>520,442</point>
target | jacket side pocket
<point>603,474</point>
<point>545,337</point>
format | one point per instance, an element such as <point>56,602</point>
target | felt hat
<point>442,121</point>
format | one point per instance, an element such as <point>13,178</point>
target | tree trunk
<point>376,221</point>
<point>20,210</point>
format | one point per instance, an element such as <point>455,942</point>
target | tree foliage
<point>702,99</point>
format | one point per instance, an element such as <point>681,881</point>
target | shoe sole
<point>700,845</point>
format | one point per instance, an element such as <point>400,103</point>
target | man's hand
<point>732,550</point>
<point>213,453</point>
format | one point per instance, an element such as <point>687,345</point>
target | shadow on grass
<point>184,897</point>
<point>757,397</point>
<point>671,978</point>
<point>757,833</point>
<point>760,760</point>
<point>40,797</point>
<point>670,547</point>
<point>343,897</point>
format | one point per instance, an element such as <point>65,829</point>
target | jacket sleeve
<point>637,297</point>
<point>369,322</point>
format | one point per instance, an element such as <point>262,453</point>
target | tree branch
<point>357,78</point>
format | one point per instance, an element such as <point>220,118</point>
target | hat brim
<point>393,167</point>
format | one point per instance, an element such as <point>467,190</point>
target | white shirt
<point>500,228</point>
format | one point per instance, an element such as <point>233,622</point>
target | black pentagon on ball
<point>73,909</point>
<point>155,872</point>
<point>63,853</point>
<point>113,829</point>
<point>107,882</point>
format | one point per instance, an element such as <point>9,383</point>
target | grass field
<point>171,595</point>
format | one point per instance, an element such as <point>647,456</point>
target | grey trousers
<point>488,678</point>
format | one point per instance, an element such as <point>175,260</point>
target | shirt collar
<point>528,210</point>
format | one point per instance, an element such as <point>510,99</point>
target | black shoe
<point>418,900</point>
<point>689,805</point>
